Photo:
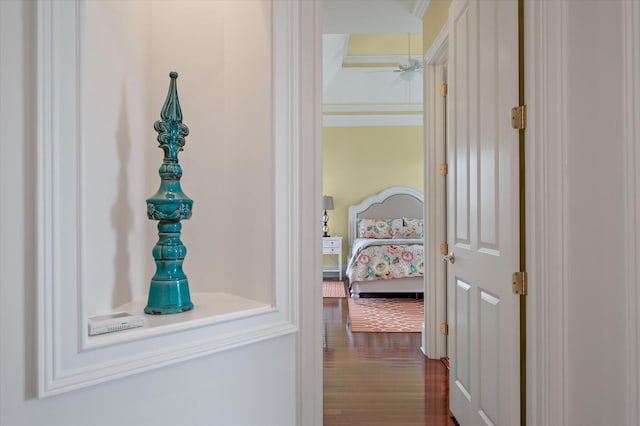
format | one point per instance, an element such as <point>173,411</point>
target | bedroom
<point>372,117</point>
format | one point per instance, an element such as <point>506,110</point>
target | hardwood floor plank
<point>379,378</point>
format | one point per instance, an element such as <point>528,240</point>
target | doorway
<point>436,311</point>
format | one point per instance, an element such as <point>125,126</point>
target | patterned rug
<point>333,289</point>
<point>374,315</point>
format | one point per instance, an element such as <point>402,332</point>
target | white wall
<point>119,153</point>
<point>216,389</point>
<point>595,262</point>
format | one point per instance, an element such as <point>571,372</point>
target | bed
<point>386,243</point>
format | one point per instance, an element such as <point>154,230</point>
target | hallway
<point>379,378</point>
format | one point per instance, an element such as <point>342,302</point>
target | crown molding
<point>372,120</point>
<point>372,108</point>
<point>393,60</point>
<point>439,50</point>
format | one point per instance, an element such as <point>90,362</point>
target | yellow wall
<point>434,18</point>
<point>384,44</point>
<point>362,161</point>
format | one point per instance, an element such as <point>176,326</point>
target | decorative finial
<point>171,111</point>
<point>171,131</point>
<point>169,291</point>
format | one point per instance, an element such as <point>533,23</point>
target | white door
<point>483,218</point>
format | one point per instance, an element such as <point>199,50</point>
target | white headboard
<point>393,202</point>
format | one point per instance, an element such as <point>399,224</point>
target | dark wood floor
<point>379,378</point>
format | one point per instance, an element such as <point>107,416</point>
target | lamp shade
<point>327,202</point>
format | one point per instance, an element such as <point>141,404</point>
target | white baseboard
<point>331,271</point>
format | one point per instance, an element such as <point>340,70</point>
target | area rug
<point>378,315</point>
<point>333,289</point>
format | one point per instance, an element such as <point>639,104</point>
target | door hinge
<point>519,283</point>
<point>444,169</point>
<point>443,89</point>
<point>444,328</point>
<point>444,249</point>
<point>519,117</point>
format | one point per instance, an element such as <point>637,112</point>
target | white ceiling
<point>372,16</point>
<point>362,95</point>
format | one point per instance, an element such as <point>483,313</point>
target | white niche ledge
<point>69,359</point>
<point>210,309</point>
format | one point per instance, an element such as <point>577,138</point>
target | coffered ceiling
<point>365,43</point>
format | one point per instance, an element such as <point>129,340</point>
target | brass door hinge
<point>444,328</point>
<point>519,283</point>
<point>444,169</point>
<point>443,89</point>
<point>444,249</point>
<point>519,117</point>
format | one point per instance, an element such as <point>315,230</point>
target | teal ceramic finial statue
<point>169,291</point>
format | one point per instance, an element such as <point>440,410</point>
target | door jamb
<point>434,344</point>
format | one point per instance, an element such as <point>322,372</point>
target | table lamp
<point>327,204</point>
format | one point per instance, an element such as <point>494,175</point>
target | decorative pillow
<point>378,228</point>
<point>413,228</point>
<point>406,232</point>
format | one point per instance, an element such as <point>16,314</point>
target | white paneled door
<point>483,221</point>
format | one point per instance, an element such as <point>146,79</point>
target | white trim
<point>67,359</point>
<point>331,268</point>
<point>547,79</point>
<point>371,120</point>
<point>307,110</point>
<point>392,60</point>
<point>438,52</point>
<point>546,212</point>
<point>631,129</point>
<point>44,194</point>
<point>420,7</point>
<point>434,343</point>
<point>379,108</point>
<point>388,114</point>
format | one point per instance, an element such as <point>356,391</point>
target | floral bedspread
<point>383,259</point>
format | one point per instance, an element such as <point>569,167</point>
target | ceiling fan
<point>413,66</point>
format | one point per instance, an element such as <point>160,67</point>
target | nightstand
<point>333,245</point>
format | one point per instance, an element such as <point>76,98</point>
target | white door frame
<point>434,343</point>
<point>546,79</point>
<point>305,51</point>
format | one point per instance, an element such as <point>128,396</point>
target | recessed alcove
<point>125,57</point>
<point>103,71</point>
